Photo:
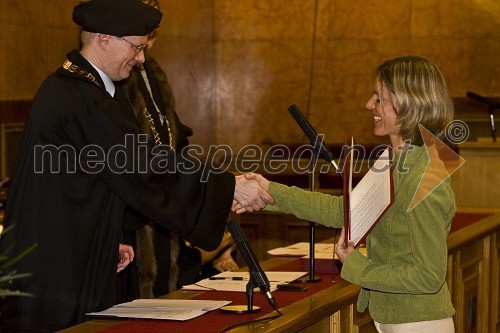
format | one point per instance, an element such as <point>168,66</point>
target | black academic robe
<point>75,213</point>
<point>128,287</point>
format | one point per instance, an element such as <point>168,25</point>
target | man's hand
<point>341,251</point>
<point>125,256</point>
<point>259,178</point>
<point>249,196</point>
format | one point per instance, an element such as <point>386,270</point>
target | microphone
<point>492,105</point>
<point>311,133</point>
<point>257,275</point>
<point>484,100</point>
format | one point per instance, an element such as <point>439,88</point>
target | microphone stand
<point>318,147</point>
<point>249,308</point>
<point>249,291</point>
<point>312,167</point>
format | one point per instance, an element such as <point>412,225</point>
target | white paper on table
<point>227,284</point>
<point>273,276</point>
<point>170,309</point>
<point>299,249</point>
<point>224,285</point>
<point>329,255</point>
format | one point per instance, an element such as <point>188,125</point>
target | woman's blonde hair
<point>421,95</point>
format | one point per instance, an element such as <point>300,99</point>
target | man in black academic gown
<point>77,172</point>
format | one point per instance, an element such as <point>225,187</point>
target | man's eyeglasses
<point>136,48</point>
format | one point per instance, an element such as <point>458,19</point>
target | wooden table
<point>473,279</point>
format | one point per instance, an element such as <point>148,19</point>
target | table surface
<point>299,309</point>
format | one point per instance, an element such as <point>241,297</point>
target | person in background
<point>165,262</point>
<point>79,167</point>
<point>403,276</point>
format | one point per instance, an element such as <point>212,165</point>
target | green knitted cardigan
<point>403,275</point>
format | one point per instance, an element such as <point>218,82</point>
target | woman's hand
<point>239,206</point>
<point>340,250</point>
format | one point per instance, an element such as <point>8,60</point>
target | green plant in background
<point>6,279</point>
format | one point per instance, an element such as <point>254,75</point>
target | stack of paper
<point>323,256</point>
<point>172,309</point>
<point>300,249</point>
<point>324,262</point>
<point>237,281</point>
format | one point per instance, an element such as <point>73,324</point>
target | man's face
<point>123,53</point>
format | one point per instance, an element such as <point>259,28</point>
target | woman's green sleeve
<point>316,207</point>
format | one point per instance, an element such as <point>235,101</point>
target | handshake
<point>250,193</point>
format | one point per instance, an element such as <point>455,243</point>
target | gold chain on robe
<point>160,115</point>
<point>72,68</point>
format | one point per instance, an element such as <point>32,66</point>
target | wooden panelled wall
<point>237,65</point>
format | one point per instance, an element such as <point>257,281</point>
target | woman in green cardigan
<point>403,275</point>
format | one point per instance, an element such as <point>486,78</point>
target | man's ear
<point>103,40</point>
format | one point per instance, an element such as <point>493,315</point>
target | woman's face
<point>383,107</point>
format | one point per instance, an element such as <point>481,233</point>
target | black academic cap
<point>117,17</point>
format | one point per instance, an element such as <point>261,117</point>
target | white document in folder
<point>372,196</point>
